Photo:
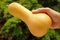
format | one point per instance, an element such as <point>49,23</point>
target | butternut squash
<point>38,24</point>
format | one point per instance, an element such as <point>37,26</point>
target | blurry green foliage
<point>47,3</point>
<point>57,7</point>
<point>15,29</point>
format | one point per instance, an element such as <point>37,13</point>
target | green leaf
<point>34,1</point>
<point>57,7</point>
<point>36,6</point>
<point>12,22</point>
<point>17,31</point>
<point>51,32</point>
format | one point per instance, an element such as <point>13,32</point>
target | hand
<point>55,16</point>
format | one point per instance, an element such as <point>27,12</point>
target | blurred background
<point>12,28</point>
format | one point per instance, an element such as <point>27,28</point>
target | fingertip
<point>41,10</point>
<point>34,11</point>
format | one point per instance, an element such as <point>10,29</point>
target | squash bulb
<point>38,24</point>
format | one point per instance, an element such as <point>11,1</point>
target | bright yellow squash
<point>38,24</point>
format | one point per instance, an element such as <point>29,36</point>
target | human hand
<point>55,16</point>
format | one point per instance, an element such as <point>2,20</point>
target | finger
<point>35,11</point>
<point>55,27</point>
<point>40,10</point>
<point>43,10</point>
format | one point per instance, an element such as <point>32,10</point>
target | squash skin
<point>38,24</point>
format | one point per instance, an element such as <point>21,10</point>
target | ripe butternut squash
<point>38,24</point>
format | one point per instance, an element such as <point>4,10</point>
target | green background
<point>12,28</point>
